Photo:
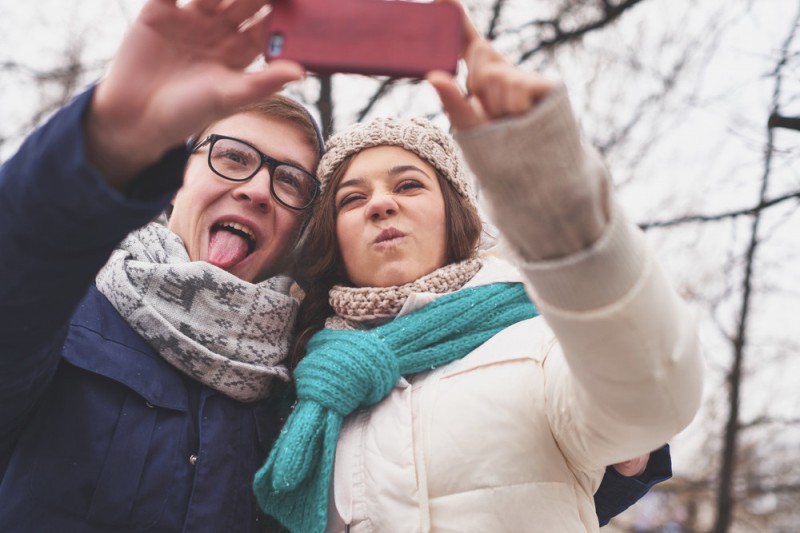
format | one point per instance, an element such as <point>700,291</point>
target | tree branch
<point>779,121</point>
<point>769,421</point>
<point>387,84</point>
<point>611,12</point>
<point>497,8</point>
<point>749,211</point>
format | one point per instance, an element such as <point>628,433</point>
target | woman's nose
<point>381,206</point>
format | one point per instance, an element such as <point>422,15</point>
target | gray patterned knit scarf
<point>228,334</point>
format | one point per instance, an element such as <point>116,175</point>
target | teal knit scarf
<point>345,370</point>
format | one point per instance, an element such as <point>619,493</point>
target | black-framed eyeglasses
<point>237,160</point>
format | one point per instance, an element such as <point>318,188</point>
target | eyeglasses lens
<point>292,186</point>
<point>238,161</point>
<point>233,159</point>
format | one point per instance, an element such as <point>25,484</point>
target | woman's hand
<point>178,69</point>
<point>496,88</point>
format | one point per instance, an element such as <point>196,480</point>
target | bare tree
<point>725,495</point>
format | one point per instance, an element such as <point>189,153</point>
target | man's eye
<point>236,156</point>
<point>288,180</point>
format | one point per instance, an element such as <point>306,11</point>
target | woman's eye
<point>347,200</point>
<point>408,185</point>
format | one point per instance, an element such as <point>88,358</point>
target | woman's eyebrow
<point>352,182</point>
<point>393,171</point>
<point>399,169</point>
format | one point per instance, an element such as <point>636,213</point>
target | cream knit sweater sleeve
<point>626,374</point>
<point>549,194</point>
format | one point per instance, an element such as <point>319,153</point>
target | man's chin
<point>239,269</point>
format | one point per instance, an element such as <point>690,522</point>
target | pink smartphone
<point>394,38</point>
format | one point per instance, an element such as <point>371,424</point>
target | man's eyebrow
<point>288,159</point>
<point>293,162</point>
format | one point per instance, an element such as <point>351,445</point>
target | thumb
<point>248,87</point>
<point>465,112</point>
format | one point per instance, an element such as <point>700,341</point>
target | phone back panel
<point>383,37</point>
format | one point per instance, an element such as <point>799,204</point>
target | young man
<point>135,401</point>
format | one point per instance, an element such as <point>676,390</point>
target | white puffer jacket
<point>515,436</point>
<point>508,438</point>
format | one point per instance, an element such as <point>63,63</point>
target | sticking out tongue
<point>226,248</point>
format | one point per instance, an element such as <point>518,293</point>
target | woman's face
<point>390,220</point>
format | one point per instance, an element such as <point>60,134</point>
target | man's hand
<point>178,69</point>
<point>633,467</point>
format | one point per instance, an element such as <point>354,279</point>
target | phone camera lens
<point>276,44</point>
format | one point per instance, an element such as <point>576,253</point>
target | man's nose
<point>256,190</point>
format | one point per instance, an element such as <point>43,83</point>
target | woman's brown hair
<point>320,265</point>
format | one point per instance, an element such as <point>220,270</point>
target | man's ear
<point>169,208</point>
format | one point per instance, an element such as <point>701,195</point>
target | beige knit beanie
<point>417,135</point>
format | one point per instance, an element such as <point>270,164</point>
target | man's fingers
<point>270,80</point>
<point>205,6</point>
<point>633,467</point>
<point>238,11</point>
<point>241,49</point>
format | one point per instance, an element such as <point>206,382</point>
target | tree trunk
<point>325,105</point>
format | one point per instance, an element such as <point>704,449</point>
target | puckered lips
<point>388,237</point>
<point>230,242</point>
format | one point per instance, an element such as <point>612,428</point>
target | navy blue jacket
<point>97,432</point>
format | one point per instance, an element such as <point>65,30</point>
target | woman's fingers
<point>505,91</point>
<point>471,33</point>
<point>502,89</point>
<point>465,113</point>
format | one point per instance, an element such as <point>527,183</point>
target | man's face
<point>239,226</point>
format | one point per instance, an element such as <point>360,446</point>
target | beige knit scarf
<point>228,334</point>
<point>359,307</point>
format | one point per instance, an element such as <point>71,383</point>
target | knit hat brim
<point>419,136</point>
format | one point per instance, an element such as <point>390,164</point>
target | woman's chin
<point>392,276</point>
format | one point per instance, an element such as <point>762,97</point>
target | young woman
<point>436,396</point>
